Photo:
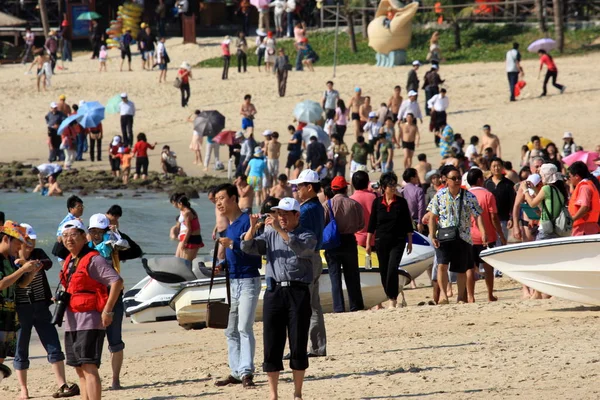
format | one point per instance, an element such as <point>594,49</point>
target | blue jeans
<point>66,51</point>
<point>36,315</point>
<point>80,146</point>
<point>290,24</point>
<point>513,78</point>
<point>384,168</point>
<point>240,334</point>
<point>114,332</point>
<point>299,66</point>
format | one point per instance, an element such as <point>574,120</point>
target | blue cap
<point>357,89</point>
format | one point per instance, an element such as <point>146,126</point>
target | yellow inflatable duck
<point>391,31</point>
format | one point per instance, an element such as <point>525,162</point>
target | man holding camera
<point>87,306</point>
<point>289,249</point>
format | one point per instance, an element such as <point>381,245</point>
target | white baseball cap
<point>123,95</point>
<point>29,231</point>
<point>99,221</point>
<point>306,176</point>
<point>116,141</point>
<point>412,93</point>
<point>267,133</point>
<point>434,66</point>
<point>287,204</point>
<point>416,63</point>
<point>567,135</point>
<point>53,105</point>
<point>372,114</point>
<point>73,224</point>
<point>534,179</point>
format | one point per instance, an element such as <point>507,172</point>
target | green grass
<point>481,43</point>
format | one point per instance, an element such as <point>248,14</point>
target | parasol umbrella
<point>260,3</point>
<point>225,137</point>
<point>112,105</point>
<point>315,130</point>
<point>67,121</point>
<point>92,113</point>
<point>88,16</point>
<point>587,157</point>
<point>543,141</point>
<point>542,44</point>
<point>308,111</point>
<point>209,123</point>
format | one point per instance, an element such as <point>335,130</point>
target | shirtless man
<point>248,111</point>
<point>63,106</point>
<point>39,61</point>
<point>246,193</point>
<point>273,150</point>
<point>221,224</point>
<point>282,189</point>
<point>410,139</point>
<point>355,103</point>
<point>490,140</point>
<point>364,111</point>
<point>394,103</point>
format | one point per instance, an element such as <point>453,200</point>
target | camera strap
<point>71,271</point>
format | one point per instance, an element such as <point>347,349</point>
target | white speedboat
<point>568,268</point>
<point>190,301</point>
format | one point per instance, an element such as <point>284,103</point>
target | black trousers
<point>430,91</point>
<point>127,129</point>
<point>185,94</point>
<point>286,308</point>
<point>242,60</point>
<point>341,130</point>
<point>93,143</point>
<point>513,78</point>
<point>345,258</point>
<point>390,254</point>
<point>141,166</point>
<point>282,76</point>
<point>553,75</point>
<point>226,60</point>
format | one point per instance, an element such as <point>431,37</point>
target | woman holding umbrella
<point>551,71</point>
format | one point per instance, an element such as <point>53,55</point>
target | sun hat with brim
<point>534,179</point>
<point>431,174</point>
<point>287,204</point>
<point>13,230</point>
<point>98,221</point>
<point>268,132</point>
<point>185,65</point>
<point>239,134</point>
<point>73,224</point>
<point>567,135</point>
<point>258,152</point>
<point>123,95</point>
<point>62,97</point>
<point>372,114</point>
<point>53,105</point>
<point>549,173</point>
<point>306,176</point>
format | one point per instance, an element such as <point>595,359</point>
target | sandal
<point>66,391</point>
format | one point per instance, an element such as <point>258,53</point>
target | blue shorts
<point>114,332</point>
<point>247,123</point>
<point>162,67</point>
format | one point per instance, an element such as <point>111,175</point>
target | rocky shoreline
<point>17,177</point>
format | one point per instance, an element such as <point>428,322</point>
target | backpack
<point>331,235</point>
<point>562,225</point>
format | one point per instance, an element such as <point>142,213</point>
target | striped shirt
<point>39,288</point>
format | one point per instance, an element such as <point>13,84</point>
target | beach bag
<point>177,83</point>
<point>331,235</point>
<point>562,225</point>
<point>217,311</point>
<point>451,233</point>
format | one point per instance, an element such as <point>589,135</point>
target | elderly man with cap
<point>372,128</point>
<point>312,217</point>
<point>127,112</point>
<point>32,306</point>
<point>53,120</point>
<point>348,215</point>
<point>11,275</point>
<point>410,106</point>
<point>289,249</point>
<point>412,84</point>
<point>85,277</point>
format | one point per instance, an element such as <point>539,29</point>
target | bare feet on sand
<point>392,304</point>
<point>24,394</point>
<point>116,385</point>
<point>492,298</point>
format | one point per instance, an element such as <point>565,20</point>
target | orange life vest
<point>593,215</point>
<point>86,293</point>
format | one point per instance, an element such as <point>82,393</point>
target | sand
<point>478,95</point>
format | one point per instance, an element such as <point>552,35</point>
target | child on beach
<point>140,151</point>
<point>102,57</point>
<point>39,61</point>
<point>471,152</point>
<point>125,156</point>
<point>113,156</point>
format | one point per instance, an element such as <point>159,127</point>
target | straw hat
<point>186,65</point>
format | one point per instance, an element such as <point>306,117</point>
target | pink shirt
<point>365,199</point>
<point>487,201</point>
<point>342,117</point>
<point>225,49</point>
<point>584,198</point>
<point>299,34</point>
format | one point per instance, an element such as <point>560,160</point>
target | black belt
<point>292,284</point>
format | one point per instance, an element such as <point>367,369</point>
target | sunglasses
<point>455,179</point>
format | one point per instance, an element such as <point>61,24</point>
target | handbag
<point>562,225</point>
<point>177,83</point>
<point>452,233</point>
<point>331,235</point>
<point>217,312</point>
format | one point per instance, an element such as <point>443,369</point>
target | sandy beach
<point>478,95</point>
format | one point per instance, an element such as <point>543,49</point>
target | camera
<point>46,264</point>
<point>262,218</point>
<point>61,299</point>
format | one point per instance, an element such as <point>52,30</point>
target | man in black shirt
<point>503,190</point>
<point>148,46</point>
<point>316,154</point>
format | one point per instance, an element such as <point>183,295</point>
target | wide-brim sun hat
<point>186,65</point>
<point>431,174</point>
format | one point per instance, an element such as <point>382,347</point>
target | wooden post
<point>44,17</point>
<point>188,28</point>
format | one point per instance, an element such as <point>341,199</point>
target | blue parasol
<point>67,121</point>
<point>92,113</point>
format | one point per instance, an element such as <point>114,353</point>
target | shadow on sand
<point>402,396</point>
<point>442,346</point>
<point>577,309</point>
<point>411,369</point>
<point>168,383</point>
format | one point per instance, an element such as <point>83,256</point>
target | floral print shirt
<point>446,208</point>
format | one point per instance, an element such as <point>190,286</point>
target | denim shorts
<point>247,123</point>
<point>114,332</point>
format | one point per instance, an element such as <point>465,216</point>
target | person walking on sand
<point>392,226</point>
<point>431,86</point>
<point>127,112</point>
<point>513,69</point>
<point>39,61</point>
<point>272,152</point>
<point>281,68</point>
<point>125,45</point>
<point>196,144</point>
<point>185,74</point>
<point>29,45</point>
<point>365,111</point>
<point>415,197</point>
<point>102,57</point>
<point>410,105</point>
<point>244,275</point>
<point>289,249</point>
<point>140,151</point>
<point>355,103</point>
<point>452,209</point>
<point>256,171</point>
<point>394,102</point>
<point>330,100</point>
<point>551,72</point>
<point>148,46</point>
<point>241,45</point>
<point>226,54</point>
<point>438,105</point>
<point>53,120</point>
<point>410,138</point>
<point>490,140</point>
<point>412,83</point>
<point>162,59</point>
<point>248,111</point>
<point>270,52</point>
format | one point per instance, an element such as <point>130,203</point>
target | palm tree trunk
<point>559,24</point>
<point>539,8</point>
<point>365,19</point>
<point>44,17</point>
<point>352,34</point>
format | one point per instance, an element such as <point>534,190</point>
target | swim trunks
<point>247,123</point>
<point>408,145</point>
<point>255,182</point>
<point>355,116</point>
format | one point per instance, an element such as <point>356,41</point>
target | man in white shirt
<point>330,99</point>
<point>372,128</point>
<point>410,106</point>
<point>513,68</point>
<point>127,111</point>
<point>29,40</point>
<point>438,105</point>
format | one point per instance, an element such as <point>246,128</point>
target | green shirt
<point>7,297</point>
<point>383,150</point>
<point>360,153</point>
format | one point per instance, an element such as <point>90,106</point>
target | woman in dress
<point>196,145</point>
<point>270,52</point>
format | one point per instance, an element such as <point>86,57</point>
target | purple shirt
<point>100,271</point>
<point>416,201</point>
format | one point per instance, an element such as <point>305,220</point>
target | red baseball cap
<point>339,182</point>
<point>64,23</point>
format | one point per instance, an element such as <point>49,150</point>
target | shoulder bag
<point>217,312</point>
<point>451,233</point>
<point>331,235</point>
<point>562,225</point>
<point>177,83</point>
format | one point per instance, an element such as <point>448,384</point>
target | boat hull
<point>568,268</point>
<point>148,301</point>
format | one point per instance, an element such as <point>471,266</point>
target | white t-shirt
<point>471,151</point>
<point>512,57</point>
<point>49,169</point>
<point>373,129</point>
